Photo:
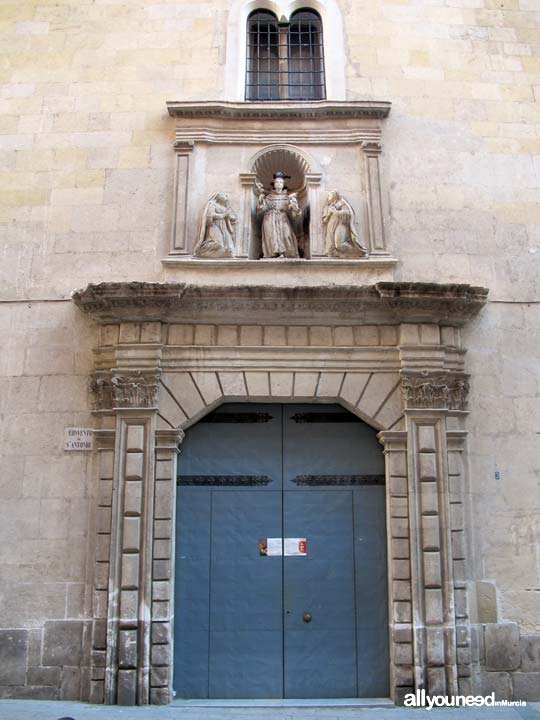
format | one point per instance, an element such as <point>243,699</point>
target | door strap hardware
<point>222,480</point>
<point>315,480</point>
<point>238,417</point>
<point>324,417</point>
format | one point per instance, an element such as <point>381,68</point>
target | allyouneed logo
<point>421,699</point>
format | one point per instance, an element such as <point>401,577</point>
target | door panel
<point>320,655</point>
<point>246,597</point>
<point>371,592</point>
<point>228,599</point>
<point>248,472</point>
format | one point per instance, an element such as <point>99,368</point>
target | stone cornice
<point>320,110</point>
<point>381,303</point>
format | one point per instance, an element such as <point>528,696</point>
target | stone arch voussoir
<point>374,397</point>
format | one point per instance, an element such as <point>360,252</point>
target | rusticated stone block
<point>34,692</point>
<point>433,607</point>
<point>159,677</point>
<point>465,685</point>
<point>44,676</point>
<point>161,655</point>
<point>70,689</point>
<point>502,646</point>
<point>403,675</point>
<point>99,659</point>
<point>161,569</point>
<point>402,612</point>
<point>402,634</point>
<point>428,466</point>
<point>62,643</point>
<point>160,696</point>
<point>530,653</point>
<point>403,654</point>
<point>436,680</point>
<point>13,654</point>
<point>401,590</point>
<point>161,633</point>
<point>129,606</point>
<point>426,438</point>
<point>398,486</point>
<point>162,529</point>
<point>97,692</point>
<point>401,692</point>
<point>127,687</point>
<point>35,639</point>
<point>526,686</point>
<point>135,438</point>
<point>497,682</point>
<point>435,646</point>
<point>127,649</point>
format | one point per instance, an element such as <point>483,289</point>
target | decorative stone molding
<point>382,303</point>
<point>435,390</point>
<point>319,110</point>
<point>124,391</point>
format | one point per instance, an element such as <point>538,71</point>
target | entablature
<point>380,303</point>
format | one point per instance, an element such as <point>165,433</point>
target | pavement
<point>59,710</point>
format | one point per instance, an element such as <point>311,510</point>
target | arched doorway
<point>281,570</point>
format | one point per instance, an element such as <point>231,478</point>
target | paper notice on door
<point>295,547</point>
<point>271,547</point>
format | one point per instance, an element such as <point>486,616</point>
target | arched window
<point>285,59</point>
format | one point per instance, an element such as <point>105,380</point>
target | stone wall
<point>86,178</point>
<point>510,662</point>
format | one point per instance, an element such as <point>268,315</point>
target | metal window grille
<point>285,61</point>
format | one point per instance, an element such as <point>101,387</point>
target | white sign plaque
<point>78,439</point>
<point>277,547</point>
<point>295,547</point>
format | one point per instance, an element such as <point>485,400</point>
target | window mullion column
<point>284,61</point>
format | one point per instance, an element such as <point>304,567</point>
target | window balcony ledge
<point>283,110</point>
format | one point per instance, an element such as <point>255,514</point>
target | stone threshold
<point>288,703</point>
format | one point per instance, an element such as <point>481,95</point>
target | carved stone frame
<point>155,377</point>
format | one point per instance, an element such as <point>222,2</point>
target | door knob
<point>307,617</point>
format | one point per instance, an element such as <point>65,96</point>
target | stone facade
<point>104,183</point>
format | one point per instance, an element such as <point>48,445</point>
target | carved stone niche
<point>302,180</point>
<point>323,146</point>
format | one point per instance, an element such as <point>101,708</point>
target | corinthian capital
<point>134,390</point>
<point>444,389</point>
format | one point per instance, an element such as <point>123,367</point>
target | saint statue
<point>279,211</point>
<point>217,234</point>
<point>340,236</point>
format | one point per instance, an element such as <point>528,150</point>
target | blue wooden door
<point>250,625</point>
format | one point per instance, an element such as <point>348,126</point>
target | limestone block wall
<point>86,178</point>
<point>47,497</point>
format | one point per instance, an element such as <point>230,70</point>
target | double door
<point>280,560</point>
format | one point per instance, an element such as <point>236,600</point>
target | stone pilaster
<point>128,621</point>
<point>399,575</point>
<point>316,241</point>
<point>167,443</point>
<point>372,151</point>
<point>245,228</point>
<point>431,557</point>
<point>180,199</point>
<point>456,447</point>
<point>105,442</point>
